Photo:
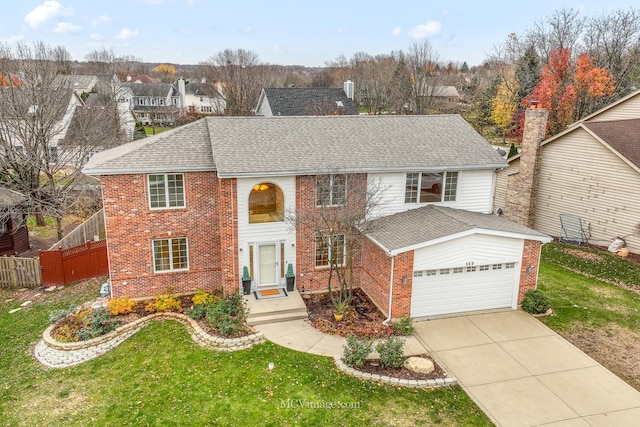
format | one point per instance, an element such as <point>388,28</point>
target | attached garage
<point>461,261</point>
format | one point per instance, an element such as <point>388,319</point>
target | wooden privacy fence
<point>64,266</point>
<point>19,273</point>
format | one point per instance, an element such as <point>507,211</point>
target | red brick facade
<point>131,226</point>
<point>376,265</point>
<point>529,267</point>
<point>210,223</point>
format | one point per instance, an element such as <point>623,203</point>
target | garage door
<point>459,289</point>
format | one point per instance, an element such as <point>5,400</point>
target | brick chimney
<point>521,191</point>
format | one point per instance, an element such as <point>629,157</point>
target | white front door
<point>267,264</point>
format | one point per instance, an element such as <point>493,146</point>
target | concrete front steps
<point>272,310</point>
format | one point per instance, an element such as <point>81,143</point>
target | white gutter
<point>388,319</point>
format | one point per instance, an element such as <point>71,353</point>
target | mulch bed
<point>372,366</point>
<point>361,318</point>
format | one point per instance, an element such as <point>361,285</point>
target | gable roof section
<point>421,227</point>
<point>308,101</point>
<point>186,148</point>
<point>621,135</point>
<point>150,89</point>
<point>271,146</point>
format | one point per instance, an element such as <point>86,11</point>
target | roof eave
<point>137,171</point>
<point>499,233</point>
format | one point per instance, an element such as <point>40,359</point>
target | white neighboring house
<point>152,102</point>
<point>201,98</point>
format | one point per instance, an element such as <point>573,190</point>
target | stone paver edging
<point>438,382</point>
<point>58,354</point>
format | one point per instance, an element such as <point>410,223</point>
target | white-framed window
<point>331,190</point>
<point>496,267</point>
<point>444,271</point>
<point>330,250</point>
<point>206,109</point>
<point>430,272</point>
<point>484,268</point>
<point>429,187</point>
<point>417,273</point>
<point>458,270</point>
<point>510,265</point>
<point>166,191</point>
<point>471,269</point>
<point>170,255</point>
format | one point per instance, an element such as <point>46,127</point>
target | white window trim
<point>444,187</point>
<point>171,269</point>
<point>166,192</point>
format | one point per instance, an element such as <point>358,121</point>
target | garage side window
<point>166,191</point>
<point>430,187</point>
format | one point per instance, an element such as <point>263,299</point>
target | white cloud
<point>102,19</point>
<point>45,12</point>
<point>95,36</point>
<point>426,30</point>
<point>248,30</point>
<point>11,40</point>
<point>66,27</point>
<point>126,33</point>
<point>396,31</point>
<point>278,48</point>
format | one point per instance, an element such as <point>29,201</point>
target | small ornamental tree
<point>337,223</point>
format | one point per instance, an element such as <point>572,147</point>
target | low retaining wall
<point>439,382</point>
<point>54,353</point>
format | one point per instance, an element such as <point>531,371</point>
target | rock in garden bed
<point>373,366</point>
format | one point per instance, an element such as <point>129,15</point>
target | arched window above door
<point>266,203</point>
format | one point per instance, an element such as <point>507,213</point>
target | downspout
<point>388,319</point>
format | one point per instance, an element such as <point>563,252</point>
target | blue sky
<point>281,32</point>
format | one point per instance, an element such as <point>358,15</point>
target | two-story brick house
<point>191,207</point>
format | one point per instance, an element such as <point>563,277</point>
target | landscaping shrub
<point>119,306</point>
<point>402,326</point>
<point>95,322</point>
<point>391,352</point>
<point>163,303</point>
<point>535,302</point>
<point>60,314</point>
<point>204,298</point>
<point>228,315</point>
<point>356,351</point>
<point>196,311</point>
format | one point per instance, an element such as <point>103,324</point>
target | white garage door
<point>459,289</point>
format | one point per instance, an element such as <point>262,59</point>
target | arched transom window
<point>266,203</point>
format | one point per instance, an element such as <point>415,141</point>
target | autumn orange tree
<point>570,91</point>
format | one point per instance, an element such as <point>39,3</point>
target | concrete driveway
<point>521,373</point>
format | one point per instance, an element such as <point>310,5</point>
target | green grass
<point>583,297</point>
<point>149,130</point>
<point>161,377</point>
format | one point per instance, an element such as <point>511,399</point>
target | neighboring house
<point>202,97</point>
<point>152,102</point>
<point>307,101</point>
<point>190,207</point>
<point>14,235</point>
<point>591,170</point>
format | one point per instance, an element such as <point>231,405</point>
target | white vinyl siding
<point>474,191</point>
<point>629,109</point>
<point>249,234</point>
<point>595,185</point>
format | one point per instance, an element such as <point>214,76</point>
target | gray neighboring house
<point>590,171</point>
<point>307,101</point>
<point>152,102</point>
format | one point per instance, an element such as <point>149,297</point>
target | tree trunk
<point>59,228</point>
<point>40,221</point>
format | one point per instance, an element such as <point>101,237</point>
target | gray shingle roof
<point>405,230</point>
<point>622,135</point>
<point>186,148</point>
<point>269,146</point>
<point>305,145</point>
<point>10,198</point>
<point>309,101</point>
<point>150,89</point>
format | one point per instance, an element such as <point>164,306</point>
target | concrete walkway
<point>518,371</point>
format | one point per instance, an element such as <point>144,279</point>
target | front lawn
<point>161,377</point>
<point>596,306</point>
